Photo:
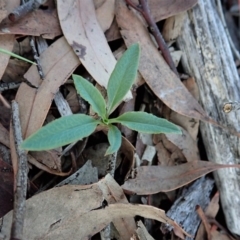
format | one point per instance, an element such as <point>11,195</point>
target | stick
<point>24,9</point>
<point>143,8</point>
<point>21,178</point>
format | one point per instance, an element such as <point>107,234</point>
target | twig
<point>143,8</point>
<point>106,232</point>
<point>220,11</point>
<point>21,178</point>
<point>36,57</point>
<point>24,9</point>
<point>5,86</point>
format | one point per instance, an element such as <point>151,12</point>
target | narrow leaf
<point>16,56</point>
<point>123,76</point>
<point>91,95</point>
<point>114,138</point>
<point>154,179</point>
<point>145,122</point>
<point>60,132</point>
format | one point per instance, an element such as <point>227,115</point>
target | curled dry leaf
<point>82,31</point>
<point>154,179</point>
<point>37,23</point>
<point>157,74</point>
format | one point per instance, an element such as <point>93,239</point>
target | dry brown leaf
<point>72,99</point>
<point>157,74</point>
<point>6,42</point>
<point>216,235</point>
<point>186,144</point>
<point>154,179</point>
<point>6,188</point>
<point>113,32</point>
<point>172,27</point>
<point>105,14</point>
<point>83,32</point>
<point>191,125</point>
<point>162,9</point>
<point>56,207</point>
<point>168,153</point>
<point>95,220</point>
<point>211,212</point>
<point>4,136</point>
<point>58,62</point>
<point>15,71</point>
<point>38,23</point>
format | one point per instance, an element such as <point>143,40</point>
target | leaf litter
<point>61,210</point>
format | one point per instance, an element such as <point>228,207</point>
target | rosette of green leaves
<point>75,127</point>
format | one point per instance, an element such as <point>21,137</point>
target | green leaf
<point>91,95</point>
<point>114,138</point>
<point>122,77</point>
<point>16,56</point>
<point>61,132</point>
<point>146,123</point>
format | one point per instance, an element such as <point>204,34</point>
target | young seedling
<point>69,129</point>
<point>15,55</point>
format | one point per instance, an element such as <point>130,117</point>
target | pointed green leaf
<point>123,76</point>
<point>91,95</point>
<point>60,132</point>
<point>146,123</point>
<point>114,138</point>
<point>16,56</point>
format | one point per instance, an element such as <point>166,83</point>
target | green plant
<point>69,129</point>
<point>15,55</point>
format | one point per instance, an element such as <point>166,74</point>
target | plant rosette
<point>66,130</point>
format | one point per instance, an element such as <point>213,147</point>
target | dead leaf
<point>157,74</point>
<point>105,14</point>
<point>142,232</point>
<point>186,144</point>
<point>5,116</point>
<point>56,207</point>
<point>154,179</point>
<point>58,62</point>
<point>162,9</point>
<point>168,153</point>
<point>72,99</point>
<point>4,136</point>
<point>15,71</point>
<point>95,220</point>
<point>37,23</point>
<point>172,27</point>
<point>211,212</point>
<point>191,125</point>
<point>82,32</point>
<point>6,188</point>
<point>6,42</point>
<point>113,32</point>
